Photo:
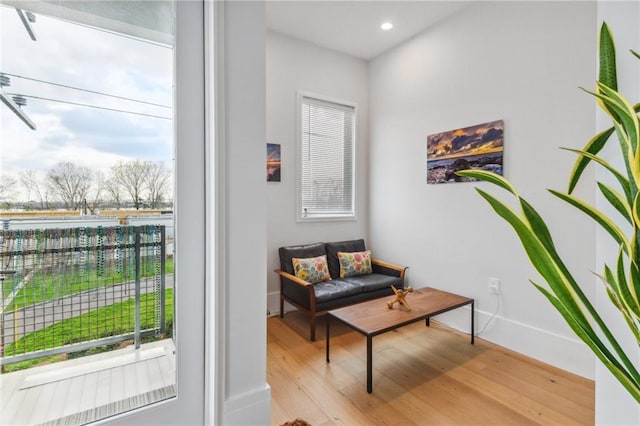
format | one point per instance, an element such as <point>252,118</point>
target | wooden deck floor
<point>421,376</point>
<point>86,389</point>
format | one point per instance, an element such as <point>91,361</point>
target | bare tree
<point>114,192</point>
<point>131,177</point>
<point>70,183</point>
<point>98,190</point>
<point>156,181</point>
<point>8,186</point>
<point>34,183</point>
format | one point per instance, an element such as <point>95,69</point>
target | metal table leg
<point>369,364</point>
<point>328,321</point>
<point>473,333</point>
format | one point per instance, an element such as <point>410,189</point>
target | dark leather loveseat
<point>318,298</point>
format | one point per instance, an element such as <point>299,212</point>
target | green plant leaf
<point>636,54</point>
<point>612,288</point>
<point>613,105</point>
<point>633,326</point>
<point>624,182</point>
<point>633,290</point>
<point>547,259</point>
<point>607,52</point>
<point>540,229</point>
<point>627,115</point>
<point>491,177</point>
<point>597,347</point>
<point>606,223</point>
<point>593,147</point>
<point>611,285</point>
<point>587,335</point>
<point>617,200</point>
<point>636,209</point>
<point>623,284</point>
<point>627,156</point>
<point>537,225</point>
<point>538,255</point>
<point>629,303</point>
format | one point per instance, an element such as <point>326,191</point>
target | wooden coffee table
<point>373,317</point>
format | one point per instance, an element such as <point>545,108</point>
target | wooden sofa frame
<point>312,312</point>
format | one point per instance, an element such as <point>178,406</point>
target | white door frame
<point>215,217</point>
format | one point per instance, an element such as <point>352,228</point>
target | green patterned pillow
<point>313,269</point>
<point>356,263</point>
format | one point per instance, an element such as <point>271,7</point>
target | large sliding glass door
<point>102,202</point>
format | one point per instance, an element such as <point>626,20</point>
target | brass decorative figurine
<point>400,297</point>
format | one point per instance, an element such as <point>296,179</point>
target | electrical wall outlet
<point>494,285</point>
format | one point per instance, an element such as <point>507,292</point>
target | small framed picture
<point>273,162</point>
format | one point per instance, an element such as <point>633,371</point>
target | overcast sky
<point>79,56</point>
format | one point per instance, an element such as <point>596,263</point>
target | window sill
<point>351,218</point>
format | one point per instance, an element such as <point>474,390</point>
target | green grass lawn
<point>7,286</point>
<point>43,286</point>
<point>112,320</point>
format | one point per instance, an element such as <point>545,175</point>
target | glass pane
<point>327,159</point>
<point>86,209</point>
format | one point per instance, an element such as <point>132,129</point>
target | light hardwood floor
<point>421,376</point>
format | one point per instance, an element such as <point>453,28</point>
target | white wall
<point>614,406</point>
<point>247,396</point>
<point>294,65</point>
<point>520,62</point>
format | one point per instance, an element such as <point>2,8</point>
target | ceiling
<point>348,26</point>
<point>353,26</point>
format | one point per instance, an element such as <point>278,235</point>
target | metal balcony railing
<point>68,290</point>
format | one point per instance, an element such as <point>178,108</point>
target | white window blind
<point>326,180</point>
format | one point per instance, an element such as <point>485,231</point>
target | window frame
<point>325,218</point>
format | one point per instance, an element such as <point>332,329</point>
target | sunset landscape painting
<point>273,162</point>
<point>476,147</point>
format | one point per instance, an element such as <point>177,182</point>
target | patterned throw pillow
<point>313,269</point>
<point>356,263</point>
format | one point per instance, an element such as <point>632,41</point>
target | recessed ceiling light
<point>386,26</point>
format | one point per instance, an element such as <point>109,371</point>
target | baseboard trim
<point>273,304</point>
<point>248,408</point>
<point>569,354</point>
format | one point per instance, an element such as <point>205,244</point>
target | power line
<point>92,106</point>
<point>84,90</point>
